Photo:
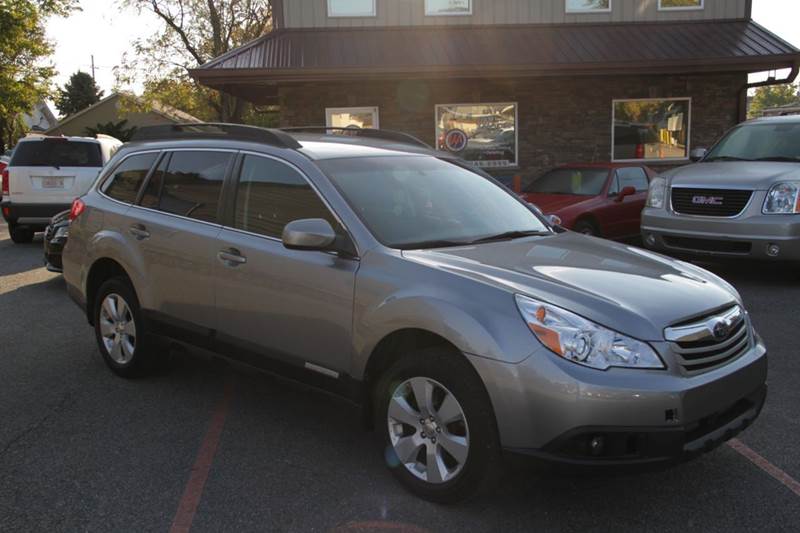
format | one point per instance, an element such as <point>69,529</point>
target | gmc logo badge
<point>707,200</point>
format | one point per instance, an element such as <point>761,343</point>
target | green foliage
<point>114,129</point>
<point>194,32</point>
<point>24,76</point>
<point>79,93</point>
<point>773,96</point>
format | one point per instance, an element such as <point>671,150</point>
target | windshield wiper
<point>780,159</point>
<point>510,235</point>
<point>422,245</point>
<point>726,158</point>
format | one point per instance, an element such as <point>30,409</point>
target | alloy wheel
<point>118,328</point>
<point>428,430</point>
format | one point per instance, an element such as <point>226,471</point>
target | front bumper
<point>552,409</point>
<point>752,235</point>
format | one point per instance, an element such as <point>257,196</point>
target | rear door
<point>53,170</point>
<point>175,229</point>
<point>292,306</point>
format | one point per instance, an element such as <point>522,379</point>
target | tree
<point>24,76</point>
<point>773,96</point>
<point>115,129</point>
<point>79,93</point>
<point>195,31</point>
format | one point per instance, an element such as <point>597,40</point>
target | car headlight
<point>581,341</point>
<point>62,232</point>
<point>783,199</point>
<point>657,193</point>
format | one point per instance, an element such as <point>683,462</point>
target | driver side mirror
<point>697,154</point>
<point>310,234</point>
<point>625,192</point>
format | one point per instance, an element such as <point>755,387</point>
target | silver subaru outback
<point>740,200</point>
<point>459,318</point>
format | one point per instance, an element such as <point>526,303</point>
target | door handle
<point>231,257</point>
<point>139,232</point>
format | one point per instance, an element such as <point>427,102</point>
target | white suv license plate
<point>52,183</point>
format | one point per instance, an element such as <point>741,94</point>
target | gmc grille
<point>709,202</point>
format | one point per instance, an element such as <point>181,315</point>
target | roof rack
<point>371,133</point>
<point>215,130</point>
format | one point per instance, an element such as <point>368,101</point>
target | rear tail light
<point>6,190</point>
<point>639,151</point>
<point>78,207</point>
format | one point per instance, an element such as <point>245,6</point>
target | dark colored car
<point>602,199</point>
<point>55,237</point>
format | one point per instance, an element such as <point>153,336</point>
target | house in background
<point>116,108</point>
<point>516,86</point>
<point>40,118</point>
<point>782,110</point>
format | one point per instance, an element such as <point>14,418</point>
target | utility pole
<point>93,78</point>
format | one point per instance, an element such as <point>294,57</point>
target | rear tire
<point>446,450</point>
<point>119,328</point>
<point>586,227</point>
<point>20,234</point>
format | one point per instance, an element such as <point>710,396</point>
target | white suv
<point>46,174</point>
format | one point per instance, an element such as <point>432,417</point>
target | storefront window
<point>588,6</point>
<point>351,8</point>
<point>651,129</point>
<point>484,134</point>
<point>448,7</point>
<point>352,117</point>
<point>680,4</point>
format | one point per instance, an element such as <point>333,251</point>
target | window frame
<point>701,7</point>
<point>373,13</point>
<point>645,160</point>
<point>375,110</point>
<point>515,164</point>
<point>573,11</point>
<point>430,13</point>
<point>232,185</point>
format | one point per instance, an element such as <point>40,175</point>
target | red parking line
<point>752,456</point>
<point>202,465</point>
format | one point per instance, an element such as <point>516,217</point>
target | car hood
<point>551,203</point>
<point>627,289</point>
<point>756,175</point>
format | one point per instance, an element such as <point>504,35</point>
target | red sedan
<point>603,199</point>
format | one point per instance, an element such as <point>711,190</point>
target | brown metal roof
<point>485,51</point>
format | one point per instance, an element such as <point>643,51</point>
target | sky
<point>106,30</point>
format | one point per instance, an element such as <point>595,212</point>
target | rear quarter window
<point>128,177</point>
<point>57,153</point>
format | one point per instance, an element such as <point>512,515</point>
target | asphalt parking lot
<point>210,447</point>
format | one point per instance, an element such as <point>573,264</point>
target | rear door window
<point>270,194</point>
<point>190,186</point>
<point>128,177</point>
<point>57,153</point>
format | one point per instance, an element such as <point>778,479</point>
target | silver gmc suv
<point>741,198</point>
<point>368,264</point>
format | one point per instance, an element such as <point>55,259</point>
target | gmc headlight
<point>783,199</point>
<point>581,341</point>
<point>657,193</point>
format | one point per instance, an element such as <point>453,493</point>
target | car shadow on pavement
<point>19,258</point>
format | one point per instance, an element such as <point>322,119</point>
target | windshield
<point>57,153</point>
<point>578,181</point>
<point>419,202</point>
<point>759,142</point>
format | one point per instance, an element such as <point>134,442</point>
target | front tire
<point>586,227</point>
<point>437,426</point>
<point>126,348</point>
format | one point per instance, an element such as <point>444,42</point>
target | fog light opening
<point>650,239</point>
<point>597,445</point>
<point>773,250</point>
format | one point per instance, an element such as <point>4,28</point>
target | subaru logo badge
<point>721,330</point>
